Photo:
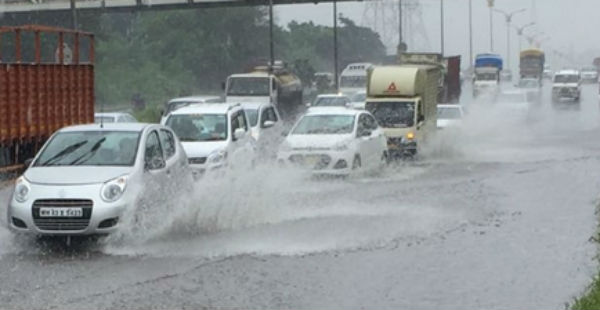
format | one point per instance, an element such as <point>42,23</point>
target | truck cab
<point>275,85</point>
<point>403,99</point>
<point>486,78</point>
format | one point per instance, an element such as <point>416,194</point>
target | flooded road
<point>496,215</point>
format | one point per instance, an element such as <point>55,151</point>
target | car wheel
<point>356,163</point>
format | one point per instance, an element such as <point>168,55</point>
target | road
<point>498,215</point>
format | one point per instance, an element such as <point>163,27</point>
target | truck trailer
<point>403,99</point>
<point>450,86</point>
<point>531,64</point>
<point>46,83</point>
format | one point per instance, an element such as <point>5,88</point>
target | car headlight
<point>22,189</point>
<point>217,157</point>
<point>113,190</point>
<point>410,135</point>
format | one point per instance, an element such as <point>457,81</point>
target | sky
<point>569,26</point>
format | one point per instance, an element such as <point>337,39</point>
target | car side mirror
<point>365,133</point>
<point>28,162</point>
<point>239,133</point>
<point>268,124</point>
<point>162,112</point>
<point>285,133</point>
<point>421,119</point>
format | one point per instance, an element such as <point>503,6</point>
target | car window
<point>362,124</point>
<point>370,122</point>
<point>238,120</point>
<point>153,156</point>
<point>167,140</point>
<point>268,114</point>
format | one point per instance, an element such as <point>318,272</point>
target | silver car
<point>85,178</point>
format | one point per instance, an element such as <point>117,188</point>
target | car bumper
<point>99,217</point>
<point>319,163</point>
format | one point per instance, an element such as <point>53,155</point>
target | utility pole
<point>442,26</point>
<point>508,17</point>
<point>335,46</point>
<point>399,26</point>
<point>73,15</point>
<point>271,43</point>
<point>470,32</point>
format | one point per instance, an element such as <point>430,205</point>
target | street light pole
<point>335,46</point>
<point>520,32</point>
<point>271,45</point>
<point>471,32</point>
<point>491,30</point>
<point>442,26</point>
<point>508,18</point>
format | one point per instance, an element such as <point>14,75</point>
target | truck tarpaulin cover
<point>488,60</point>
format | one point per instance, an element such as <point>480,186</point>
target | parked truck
<point>275,85</point>
<point>531,65</point>
<point>46,83</point>
<point>450,86</point>
<point>486,78</point>
<point>403,99</point>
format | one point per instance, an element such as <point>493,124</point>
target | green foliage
<point>164,54</point>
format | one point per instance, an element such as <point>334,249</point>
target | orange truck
<point>46,83</point>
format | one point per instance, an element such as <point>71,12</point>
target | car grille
<point>319,161</point>
<point>62,223</point>
<point>197,160</point>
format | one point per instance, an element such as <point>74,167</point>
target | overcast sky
<point>570,25</point>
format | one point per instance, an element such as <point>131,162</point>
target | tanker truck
<point>275,85</point>
<point>403,99</point>
<point>486,78</point>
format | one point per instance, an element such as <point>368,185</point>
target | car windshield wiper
<point>66,151</point>
<point>89,154</point>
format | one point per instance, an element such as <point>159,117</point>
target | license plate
<point>61,212</point>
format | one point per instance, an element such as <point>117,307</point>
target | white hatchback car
<point>181,102</point>
<point>335,141</point>
<point>449,115</point>
<point>86,177</point>
<point>265,125</point>
<point>214,136</point>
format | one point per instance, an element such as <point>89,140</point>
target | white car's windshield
<point>353,81</point>
<point>566,78</point>
<point>249,86</point>
<point>252,116</point>
<point>325,124</point>
<point>199,127</point>
<point>448,113</point>
<point>104,119</point>
<point>331,102</point>
<point>90,148</point>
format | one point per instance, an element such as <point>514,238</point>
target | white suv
<point>214,136</point>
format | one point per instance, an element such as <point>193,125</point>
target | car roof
<point>110,114</point>
<point>333,111</point>
<point>568,71</point>
<point>254,105</point>
<point>450,106</point>
<point>208,108</point>
<point>107,127</point>
<point>194,98</point>
<point>332,96</point>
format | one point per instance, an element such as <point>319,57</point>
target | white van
<point>354,78</point>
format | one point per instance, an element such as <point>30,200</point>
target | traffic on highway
<point>415,179</point>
